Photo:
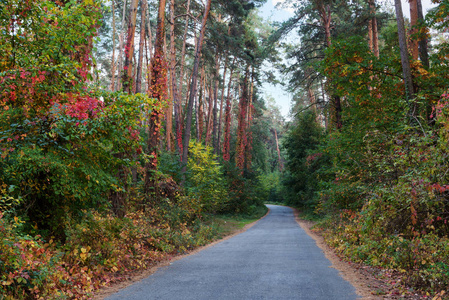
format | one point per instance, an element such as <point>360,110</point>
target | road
<point>274,259</point>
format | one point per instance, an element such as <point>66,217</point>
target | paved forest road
<point>275,259</point>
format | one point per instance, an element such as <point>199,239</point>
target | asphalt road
<point>274,259</point>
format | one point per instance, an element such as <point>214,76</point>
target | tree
<point>193,86</point>
<point>143,16</point>
<point>409,89</point>
<point>157,90</point>
<point>129,48</point>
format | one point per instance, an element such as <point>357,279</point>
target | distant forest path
<point>275,259</point>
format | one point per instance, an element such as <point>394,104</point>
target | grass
<point>228,224</point>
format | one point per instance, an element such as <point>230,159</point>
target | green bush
<point>205,179</point>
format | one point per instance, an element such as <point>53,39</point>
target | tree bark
<point>144,6</point>
<point>193,86</point>
<point>157,90</point>
<point>121,42</point>
<point>173,87</point>
<point>113,62</point>
<point>372,29</point>
<point>409,90</point>
<point>129,48</point>
<point>280,165</point>
<point>220,119</point>
<point>227,133</point>
<point>184,42</point>
<point>414,29</point>
<point>215,108</point>
<point>210,113</point>
<point>240,159</point>
<point>325,14</point>
<point>178,105</point>
<point>423,46</point>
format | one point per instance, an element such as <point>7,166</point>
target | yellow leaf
<point>83,250</point>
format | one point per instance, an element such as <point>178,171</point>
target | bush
<point>205,179</point>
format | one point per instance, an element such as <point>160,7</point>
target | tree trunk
<point>414,29</point>
<point>113,62</point>
<point>215,108</point>
<point>121,41</point>
<point>423,47</point>
<point>200,108</point>
<point>193,86</point>
<point>173,88</point>
<point>178,104</point>
<point>144,6</point>
<point>227,133</point>
<point>325,14</point>
<point>249,133</point>
<point>149,47</point>
<point>280,165</point>
<point>157,90</point>
<point>220,119</point>
<point>240,159</point>
<point>375,33</point>
<point>129,48</point>
<point>183,51</point>
<point>409,90</point>
<point>372,29</point>
<point>209,114</point>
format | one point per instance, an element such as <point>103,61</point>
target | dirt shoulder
<point>141,274</point>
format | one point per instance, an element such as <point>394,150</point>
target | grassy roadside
<point>381,279</point>
<point>103,250</point>
<point>219,227</point>
<point>229,224</point>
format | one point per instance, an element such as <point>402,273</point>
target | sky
<point>269,12</point>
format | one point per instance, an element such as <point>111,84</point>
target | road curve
<point>274,259</point>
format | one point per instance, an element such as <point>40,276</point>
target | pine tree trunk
<point>227,132</point>
<point>215,108</point>
<point>220,119</point>
<point>375,32</point>
<point>178,104</point>
<point>144,6</point>
<point>249,133</point>
<point>409,90</point>
<point>372,29</point>
<point>423,47</point>
<point>280,165</point>
<point>210,112</point>
<point>173,88</point>
<point>414,29</point>
<point>240,159</point>
<point>129,48</point>
<point>193,87</point>
<point>325,14</point>
<point>157,90</point>
<point>183,51</point>
<point>149,47</point>
<point>118,86</point>
<point>113,62</point>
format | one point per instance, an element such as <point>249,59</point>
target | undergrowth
<point>99,250</point>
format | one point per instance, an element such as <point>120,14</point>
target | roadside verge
<point>364,283</point>
<point>139,275</point>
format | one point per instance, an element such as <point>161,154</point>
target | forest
<point>134,130</point>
